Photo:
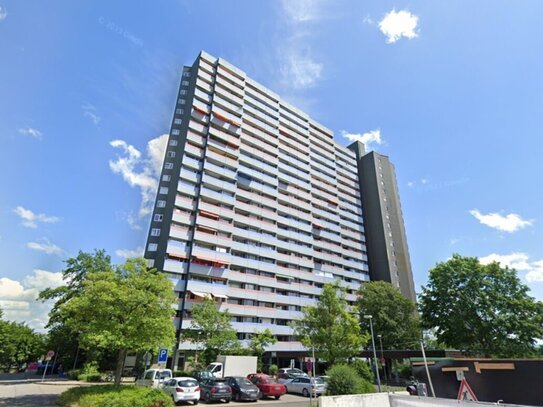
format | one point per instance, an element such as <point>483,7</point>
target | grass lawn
<point>108,396</point>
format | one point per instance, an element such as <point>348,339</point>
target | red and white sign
<point>465,392</point>
<point>50,355</point>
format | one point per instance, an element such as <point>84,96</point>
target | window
<point>182,92</point>
<point>185,83</point>
<point>181,101</point>
<point>166,178</point>
<point>177,121</point>
<point>155,232</point>
<point>152,247</point>
<point>175,132</point>
<point>173,142</point>
<point>186,74</point>
<point>163,190</point>
<point>171,154</point>
<point>179,111</point>
<point>160,204</point>
<point>168,166</point>
<point>158,217</point>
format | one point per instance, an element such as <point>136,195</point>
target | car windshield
<point>187,383</point>
<point>318,380</point>
<point>163,375</point>
<point>269,380</point>
<point>242,381</point>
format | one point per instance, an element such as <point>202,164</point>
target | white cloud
<point>520,262</point>
<point>3,13</point>
<point>298,67</point>
<point>410,184</point>
<point>31,219</point>
<point>29,131</point>
<point>369,138</point>
<point>90,112</point>
<point>45,246</point>
<point>18,298</point>
<point>127,253</point>
<point>509,223</point>
<point>424,181</point>
<point>398,24</point>
<point>300,11</point>
<point>141,172</point>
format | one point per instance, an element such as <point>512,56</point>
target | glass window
<point>163,190</point>
<point>186,74</point>
<point>177,121</point>
<point>155,232</point>
<point>173,142</point>
<point>179,111</point>
<point>171,154</point>
<point>166,177</point>
<point>158,217</point>
<point>182,92</point>
<point>185,83</point>
<point>182,101</point>
<point>175,132</point>
<point>160,204</point>
<point>152,247</point>
<point>168,165</point>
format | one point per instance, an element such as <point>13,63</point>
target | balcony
<point>203,96</point>
<point>207,87</point>
<point>239,92</point>
<point>179,232</point>
<point>208,179</point>
<point>257,175</point>
<point>224,136</point>
<point>195,138</point>
<point>197,127</point>
<point>225,213</point>
<point>256,123</point>
<point>256,186</point>
<point>223,147</point>
<point>198,152</point>
<point>185,203</point>
<point>189,176</point>
<point>218,196</point>
<point>223,159</point>
<point>252,196</point>
<point>206,288</point>
<point>187,189</point>
<point>333,217</point>
<point>253,264</point>
<point>174,266</point>
<point>205,76</point>
<point>177,249</point>
<point>227,95</point>
<point>212,239</point>
<point>182,218</point>
<point>259,164</point>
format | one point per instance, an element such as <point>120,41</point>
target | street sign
<point>49,356</point>
<point>163,355</point>
<point>465,392</point>
<point>460,375</point>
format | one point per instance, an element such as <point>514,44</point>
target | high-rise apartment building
<point>257,206</point>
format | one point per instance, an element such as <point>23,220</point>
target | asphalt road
<point>23,393</point>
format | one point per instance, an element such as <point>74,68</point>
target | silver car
<point>305,386</point>
<point>182,389</point>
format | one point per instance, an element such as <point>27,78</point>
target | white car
<point>305,385</point>
<point>182,389</point>
<point>154,378</point>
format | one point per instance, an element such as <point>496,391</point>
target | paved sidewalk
<point>32,393</point>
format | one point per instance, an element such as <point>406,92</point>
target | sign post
<point>48,357</point>
<point>162,357</point>
<point>465,392</point>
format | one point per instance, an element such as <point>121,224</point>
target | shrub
<point>109,396</point>
<point>273,370</point>
<point>73,374</point>
<point>90,373</point>
<point>344,379</point>
<point>364,370</point>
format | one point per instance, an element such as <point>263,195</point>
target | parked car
<point>200,375</point>
<point>182,389</point>
<point>154,377</point>
<point>215,390</point>
<point>269,387</point>
<point>286,377</point>
<point>242,388</point>
<point>292,371</point>
<point>306,386</point>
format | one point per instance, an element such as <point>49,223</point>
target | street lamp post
<point>370,317</point>
<point>383,359</point>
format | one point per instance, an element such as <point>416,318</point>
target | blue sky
<point>452,91</point>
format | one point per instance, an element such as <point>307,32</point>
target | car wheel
<point>207,397</point>
<point>237,397</point>
<point>305,392</point>
<point>227,401</point>
<point>195,402</point>
<point>277,397</point>
<point>174,402</point>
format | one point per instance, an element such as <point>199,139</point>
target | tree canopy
<point>20,344</point>
<point>331,326</point>
<point>211,330</point>
<point>123,308</point>
<point>481,309</point>
<point>394,316</point>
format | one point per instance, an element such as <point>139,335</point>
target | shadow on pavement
<point>42,400</point>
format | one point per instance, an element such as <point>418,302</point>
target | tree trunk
<point>120,364</point>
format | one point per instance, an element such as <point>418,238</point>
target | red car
<point>268,385</point>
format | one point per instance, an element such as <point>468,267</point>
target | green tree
<point>482,309</point>
<point>331,326</point>
<point>344,379</point>
<point>126,309</point>
<point>20,344</point>
<point>259,342</point>
<point>394,316</point>
<point>211,330</point>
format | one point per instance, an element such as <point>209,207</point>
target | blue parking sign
<point>163,355</point>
